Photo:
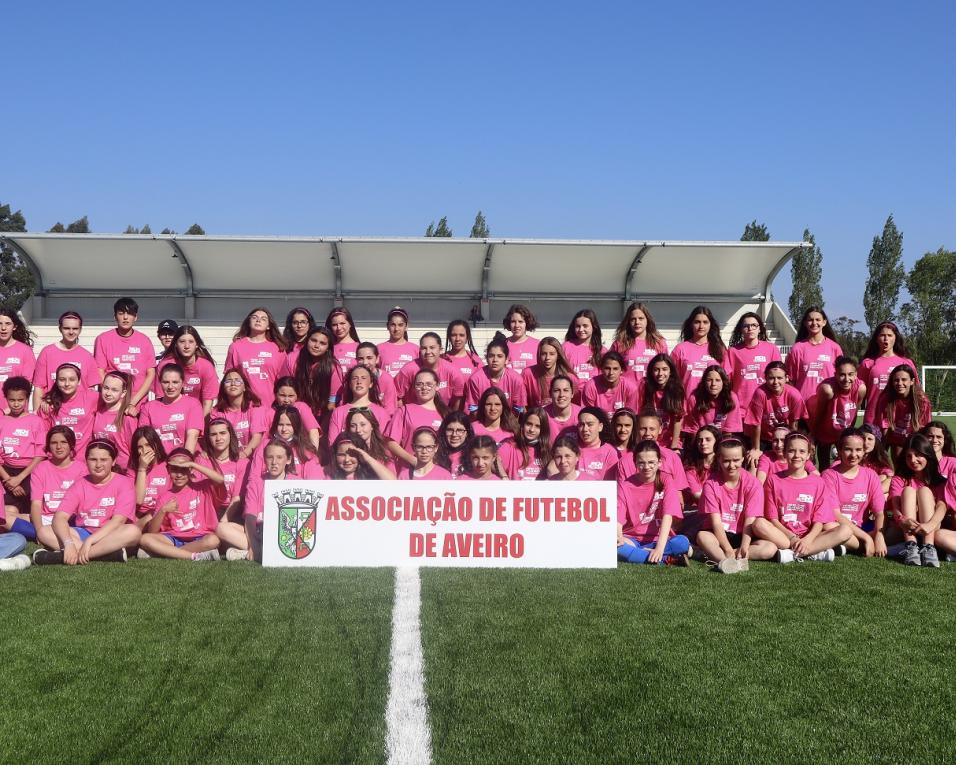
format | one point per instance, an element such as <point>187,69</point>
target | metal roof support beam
<point>189,298</point>
<point>765,304</point>
<point>486,273</point>
<point>628,293</point>
<point>339,297</point>
<point>39,293</point>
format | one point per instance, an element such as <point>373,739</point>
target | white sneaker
<point>142,554</point>
<point>235,553</point>
<point>825,555</point>
<point>785,556</point>
<point>208,555</point>
<point>16,563</point>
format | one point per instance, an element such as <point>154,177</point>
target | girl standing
<point>701,346</point>
<point>340,323</point>
<point>885,351</point>
<point>318,378</point>
<point>259,349</point>
<point>16,347</point>
<point>813,356</point>
<point>663,392</point>
<point>838,400</point>
<point>495,373</point>
<point>298,322</point>
<point>200,380</point>
<point>397,351</point>
<point>637,339</point>
<point>460,348</point>
<point>582,345</point>
<point>612,389</point>
<point>522,348</point>
<point>451,386</point>
<point>67,350</point>
<point>749,354</point>
<point>177,418</point>
<point>111,420</point>
<point>713,403</point>
<point>537,377</point>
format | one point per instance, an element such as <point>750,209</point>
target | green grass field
<point>153,661</point>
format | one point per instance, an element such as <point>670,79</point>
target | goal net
<point>939,382</point>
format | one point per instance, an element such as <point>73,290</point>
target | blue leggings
<point>640,552</point>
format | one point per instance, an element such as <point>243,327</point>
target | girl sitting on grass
<point>859,494</point>
<point>916,499</point>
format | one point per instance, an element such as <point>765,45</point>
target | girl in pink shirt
<point>50,481</point>
<point>885,351</point>
<point>397,351</point>
<point>701,346</point>
<point>147,463</point>
<point>942,442</point>
<point>67,350</point>
<point>598,457</point>
<point>493,416</point>
<point>774,460</point>
<point>285,395</point>
<point>917,500</point>
<point>425,449</point>
<point>68,404</point>
<point>200,380</point>
<point>287,426</point>
<point>481,461</point>
<point>637,340</point>
<point>902,409</point>
<point>184,524</point>
<point>239,404</point>
<point>103,507</point>
<point>566,455</point>
<point>460,348</point>
<point>22,437</point>
<point>277,464</point>
<point>318,378</point>
<point>451,385</point>
<point>495,373</point>
<point>713,403</point>
<point>111,420</point>
<point>364,424</point>
<point>176,418</point>
<point>837,402</point>
<point>537,377</point>
<point>340,323</point>
<point>773,403</point>
<point>732,501</point>
<point>875,456</point>
<point>16,347</point>
<point>562,411</point>
<point>647,504</point>
<point>350,461</point>
<point>454,433</point>
<point>812,358</point>
<point>624,432</point>
<point>700,463</point>
<point>582,345</point>
<point>663,391</point>
<point>361,392</point>
<point>525,457</point>
<point>221,453</point>
<point>298,322</point>
<point>799,513</point>
<point>259,349</point>
<point>427,408</point>
<point>859,495</point>
<point>612,389</point>
<point>749,354</point>
<point>522,348</point>
<point>387,396</point>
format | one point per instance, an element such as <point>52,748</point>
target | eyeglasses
<point>750,326</point>
<point>456,431</point>
<point>425,385</point>
<point>424,447</point>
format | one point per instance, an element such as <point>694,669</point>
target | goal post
<point>939,383</point>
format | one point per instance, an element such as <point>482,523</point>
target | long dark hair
<point>20,331</point>
<point>374,393</point>
<point>877,459</point>
<point>445,450</point>
<point>341,311</point>
<point>469,342</point>
<point>233,450</point>
<point>300,443</point>
<point>482,442</point>
<point>920,444</point>
<point>737,337</point>
<point>288,334</point>
<point>715,343</point>
<point>362,472</point>
<point>694,458</point>
<point>201,350</point>
<point>376,445</point>
<point>249,397</point>
<point>595,411</point>
<point>595,342</point>
<point>313,376</point>
<point>561,366</point>
<point>673,400</point>
<point>154,441</point>
<point>54,396</point>
<point>803,333</point>
<point>915,400</point>
<point>899,344</point>
<point>543,446</point>
<point>949,449</point>
<point>724,403</point>
<point>508,420</point>
<point>272,331</point>
<point>624,336</point>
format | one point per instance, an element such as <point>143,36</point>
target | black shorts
<point>22,504</point>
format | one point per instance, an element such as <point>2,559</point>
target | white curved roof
<point>96,264</point>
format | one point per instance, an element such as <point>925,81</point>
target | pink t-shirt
<point>947,466</point>
<point>641,508</point>
<point>134,354</point>
<point>104,424</point>
<point>671,468</point>
<point>157,481</point>
<point>341,413</point>
<point>696,479</point>
<point>767,411</point>
<point>233,474</point>
<point>172,420</point>
<point>450,382</point>
<point>733,505</point>
<point>691,360</point>
<point>253,499</point>
<point>393,356</point>
<point>656,402</point>
<point>876,373</point>
<point>949,492</point>
<point>464,365</point>
<point>899,419</point>
<point>510,384</point>
<point>407,419</point>
<point>437,473</point>
<point>16,359</point>
<point>511,458</point>
<point>532,389</point>
<point>856,496</point>
<point>558,427</point>
<point>639,356</point>
<point>21,439</point>
<point>499,434</point>
<point>200,382</point>
<point>731,422</point>
<point>596,392</point>
<point>389,394</point>
<point>599,461</point>
<point>345,353</point>
<point>291,357</point>
<point>767,464</point>
<point>579,359</point>
<point>262,363</point>
<point>747,366</point>
<point>94,504</point>
<point>841,411</point>
<point>77,414</point>
<point>809,365</point>
<point>798,503</point>
<point>52,356</point>
<point>898,483</point>
<point>523,354</point>
<point>49,483</point>
<point>195,514</point>
<point>489,477</point>
<point>246,424</point>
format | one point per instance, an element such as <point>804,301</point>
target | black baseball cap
<point>167,327</point>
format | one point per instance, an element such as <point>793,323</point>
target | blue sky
<point>613,120</point>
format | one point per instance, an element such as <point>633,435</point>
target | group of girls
<point>181,455</point>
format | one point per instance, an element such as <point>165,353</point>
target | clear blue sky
<point>614,120</point>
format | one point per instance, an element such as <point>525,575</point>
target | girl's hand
<point>147,459</point>
<point>744,551</point>
<point>70,555</point>
<point>623,540</point>
<point>753,458</point>
<point>83,556</point>
<point>132,410</point>
<point>656,556</point>
<point>44,407</point>
<point>922,528</point>
<point>800,546</point>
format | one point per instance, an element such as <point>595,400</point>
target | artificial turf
<point>159,661</point>
<point>851,661</point>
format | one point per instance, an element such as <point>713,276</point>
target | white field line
<point>407,738</point>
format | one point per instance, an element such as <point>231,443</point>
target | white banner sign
<point>513,524</point>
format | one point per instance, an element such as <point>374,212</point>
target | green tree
<point>195,230</point>
<point>930,315</point>
<point>440,230</point>
<point>16,279</point>
<point>133,230</point>
<point>886,275</point>
<point>851,340</point>
<point>57,228</point>
<point>479,229</point>
<point>806,272</point>
<point>755,232</point>
<point>146,229</point>
<point>79,226</point>
<point>167,231</point>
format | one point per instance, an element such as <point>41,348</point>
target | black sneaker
<point>119,556</point>
<point>43,557</point>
